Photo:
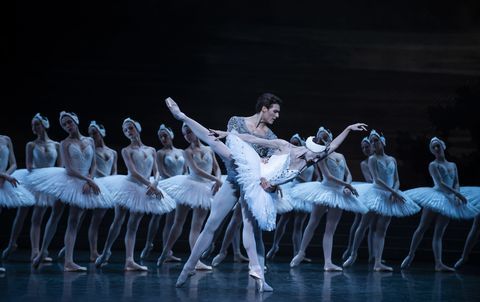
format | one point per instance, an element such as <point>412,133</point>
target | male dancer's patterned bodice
<point>81,160</point>
<point>446,175</point>
<point>386,171</point>
<point>4,153</point>
<point>204,161</point>
<point>238,124</point>
<point>44,156</point>
<point>336,167</point>
<point>174,162</point>
<point>143,162</point>
<point>104,162</point>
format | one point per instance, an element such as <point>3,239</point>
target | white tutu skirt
<point>284,201</point>
<point>261,203</point>
<point>473,196</point>
<point>298,205</point>
<point>41,199</point>
<point>328,195</point>
<point>444,203</point>
<point>14,197</point>
<point>55,181</point>
<point>378,200</point>
<point>189,190</point>
<point>133,196</point>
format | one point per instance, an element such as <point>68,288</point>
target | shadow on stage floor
<point>230,282</point>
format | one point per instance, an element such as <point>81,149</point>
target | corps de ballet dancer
<point>170,162</point>
<point>440,203</point>
<point>134,193</point>
<point>383,199</point>
<point>332,195</point>
<point>40,153</point>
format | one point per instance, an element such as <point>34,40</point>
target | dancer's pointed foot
<point>132,266</point>
<point>102,260</point>
<point>200,266</point>
<point>260,283</point>
<point>332,268</point>
<point>382,268</point>
<point>443,268</point>
<point>346,254</point>
<point>10,249</point>
<point>297,259</point>
<point>460,263</point>
<point>39,259</point>
<point>407,262</point>
<point>73,267</point>
<point>61,253</point>
<point>174,109</point>
<point>46,259</point>
<point>239,258</point>
<point>272,252</point>
<point>172,258</point>
<point>161,260</point>
<point>184,275</point>
<point>350,261</point>
<point>218,259</point>
<point>146,251</point>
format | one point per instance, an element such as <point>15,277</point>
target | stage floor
<point>230,282</point>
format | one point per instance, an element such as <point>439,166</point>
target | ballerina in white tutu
<point>384,200</point>
<point>332,195</point>
<point>441,203</point>
<point>40,153</point>
<point>193,191</point>
<point>134,193</point>
<point>73,185</point>
<point>300,208</point>
<point>243,170</point>
<point>170,162</point>
<point>362,219</point>
<point>12,194</point>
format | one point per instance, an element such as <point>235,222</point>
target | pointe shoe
<point>350,261</point>
<point>2,270</point>
<point>332,268</point>
<point>61,253</point>
<point>6,252</point>
<point>74,268</point>
<point>40,257</point>
<point>406,262</point>
<point>260,283</point>
<point>218,259</point>
<point>184,275</point>
<point>146,251</point>
<point>382,268</point>
<point>135,267</point>
<point>272,252</point>
<point>102,260</point>
<point>460,263</point>
<point>443,268</point>
<point>239,258</point>
<point>172,258</point>
<point>200,266</point>
<point>161,260</point>
<point>297,259</point>
<point>345,255</point>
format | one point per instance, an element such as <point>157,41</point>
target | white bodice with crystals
<point>143,162</point>
<point>44,155</point>
<point>336,167</point>
<point>104,161</point>
<point>204,161</point>
<point>174,162</point>
<point>447,175</point>
<point>80,159</point>
<point>386,171</point>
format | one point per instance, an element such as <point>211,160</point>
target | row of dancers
<point>266,176</point>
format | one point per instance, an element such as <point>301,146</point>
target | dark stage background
<point>407,68</point>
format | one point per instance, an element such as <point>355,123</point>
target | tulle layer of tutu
<point>473,196</point>
<point>133,196</point>
<point>56,182</point>
<point>189,191</point>
<point>298,205</point>
<point>260,202</point>
<point>328,195</point>
<point>378,200</point>
<point>443,203</point>
<point>13,197</point>
<point>41,199</point>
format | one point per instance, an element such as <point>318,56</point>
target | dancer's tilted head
<point>366,146</point>
<point>268,105</point>
<point>69,121</point>
<point>324,136</point>
<point>95,129</point>
<point>131,128</point>
<point>297,140</point>
<point>377,141</point>
<point>437,147</point>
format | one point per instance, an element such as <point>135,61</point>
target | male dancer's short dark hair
<point>267,100</point>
